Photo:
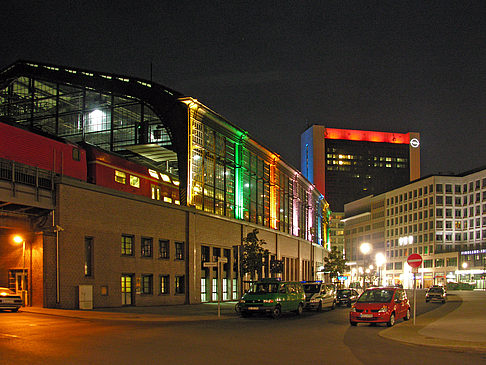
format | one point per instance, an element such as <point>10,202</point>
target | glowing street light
<point>365,249</point>
<point>20,239</point>
<point>380,261</point>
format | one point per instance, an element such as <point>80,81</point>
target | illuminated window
<point>167,199</point>
<point>164,252</point>
<point>154,174</point>
<point>134,181</point>
<point>147,284</point>
<point>179,250</point>
<point>179,285</point>
<point>127,245</point>
<point>164,284</point>
<point>165,178</point>
<point>155,192</point>
<point>146,247</point>
<point>120,177</point>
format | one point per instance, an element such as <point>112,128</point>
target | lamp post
<point>365,249</point>
<point>380,261</point>
<point>20,239</point>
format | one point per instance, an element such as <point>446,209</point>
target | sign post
<point>219,265</point>
<point>414,261</point>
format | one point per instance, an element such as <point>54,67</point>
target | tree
<point>335,263</point>
<point>253,255</point>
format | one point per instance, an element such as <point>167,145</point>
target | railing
<point>23,174</point>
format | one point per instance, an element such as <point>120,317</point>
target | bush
<point>460,286</point>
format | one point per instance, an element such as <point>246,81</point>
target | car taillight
<point>267,300</point>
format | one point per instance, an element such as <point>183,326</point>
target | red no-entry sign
<point>414,260</point>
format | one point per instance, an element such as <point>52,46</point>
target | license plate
<point>8,300</point>
<point>366,315</point>
<point>253,308</point>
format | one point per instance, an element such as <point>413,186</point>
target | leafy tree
<point>335,263</point>
<point>253,255</point>
<point>276,266</point>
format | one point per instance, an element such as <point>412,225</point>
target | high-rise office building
<point>346,164</point>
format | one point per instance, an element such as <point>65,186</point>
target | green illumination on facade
<point>238,181</point>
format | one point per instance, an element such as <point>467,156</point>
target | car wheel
<point>353,323</point>
<point>319,307</point>
<point>277,312</point>
<point>299,309</point>
<point>15,310</point>
<point>245,314</point>
<point>391,322</point>
<point>407,315</point>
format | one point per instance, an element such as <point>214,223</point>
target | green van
<point>271,296</point>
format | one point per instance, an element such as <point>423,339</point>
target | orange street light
<point>20,239</point>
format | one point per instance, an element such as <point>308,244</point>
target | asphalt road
<point>313,338</point>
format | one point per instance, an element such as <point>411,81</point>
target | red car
<point>380,305</point>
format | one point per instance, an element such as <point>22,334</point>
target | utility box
<point>86,297</point>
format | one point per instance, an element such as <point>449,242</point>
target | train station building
<point>119,190</point>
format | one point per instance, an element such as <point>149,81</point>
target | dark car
<point>9,300</point>
<point>380,305</point>
<point>346,297</point>
<point>437,293</point>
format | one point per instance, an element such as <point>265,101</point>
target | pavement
<point>460,324</point>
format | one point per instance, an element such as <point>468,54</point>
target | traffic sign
<point>414,260</point>
<point>210,264</point>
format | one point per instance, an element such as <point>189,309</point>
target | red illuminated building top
<point>368,136</point>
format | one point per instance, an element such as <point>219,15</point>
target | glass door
<point>127,289</point>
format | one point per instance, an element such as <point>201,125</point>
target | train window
<point>167,199</point>
<point>153,173</point>
<point>155,192</point>
<point>165,178</point>
<point>76,154</point>
<point>120,177</point>
<point>134,181</point>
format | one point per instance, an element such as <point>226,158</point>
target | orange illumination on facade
<point>273,193</point>
<point>369,136</point>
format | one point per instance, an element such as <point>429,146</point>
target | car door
<point>401,303</point>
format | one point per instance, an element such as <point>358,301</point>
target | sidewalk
<point>462,328</point>
<point>174,313</point>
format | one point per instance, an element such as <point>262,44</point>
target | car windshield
<point>435,290</point>
<point>311,288</point>
<point>261,288</point>
<point>376,296</point>
<point>344,292</point>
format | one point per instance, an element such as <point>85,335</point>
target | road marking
<point>8,335</point>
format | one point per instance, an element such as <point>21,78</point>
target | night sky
<point>273,67</point>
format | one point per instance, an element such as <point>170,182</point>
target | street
<point>313,338</point>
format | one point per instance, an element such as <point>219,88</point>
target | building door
<point>127,289</point>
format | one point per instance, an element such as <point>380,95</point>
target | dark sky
<point>272,67</point>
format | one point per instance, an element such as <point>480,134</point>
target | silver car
<point>9,300</point>
<point>319,295</point>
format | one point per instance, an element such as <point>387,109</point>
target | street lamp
<point>380,261</point>
<point>20,239</point>
<point>365,249</point>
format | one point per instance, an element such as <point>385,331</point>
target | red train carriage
<point>115,172</point>
<point>61,157</point>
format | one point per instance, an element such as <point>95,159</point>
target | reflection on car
<point>346,297</point>
<point>380,305</point>
<point>9,300</point>
<point>436,293</point>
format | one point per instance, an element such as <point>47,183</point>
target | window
<point>179,250</point>
<point>164,248</point>
<point>147,284</point>
<point>147,245</point>
<point>134,181</point>
<point>88,256</point>
<point>127,245</point>
<point>120,177</point>
<point>179,284</point>
<point>438,188</point>
<point>76,154</point>
<point>164,284</point>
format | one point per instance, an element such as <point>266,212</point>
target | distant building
<point>347,165</point>
<point>442,218</point>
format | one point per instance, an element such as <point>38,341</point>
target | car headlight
<point>383,309</point>
<point>242,301</point>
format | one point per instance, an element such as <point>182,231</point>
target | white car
<point>9,300</point>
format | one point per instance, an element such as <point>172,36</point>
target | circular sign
<point>414,142</point>
<point>414,260</point>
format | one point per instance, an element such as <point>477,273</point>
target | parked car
<point>346,296</point>
<point>319,295</point>
<point>9,300</point>
<point>272,297</point>
<point>380,305</point>
<point>437,293</point>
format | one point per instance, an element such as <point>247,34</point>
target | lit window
<point>134,181</point>
<point>167,199</point>
<point>120,177</point>
<point>153,173</point>
<point>165,178</point>
<point>155,192</point>
<point>175,182</point>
